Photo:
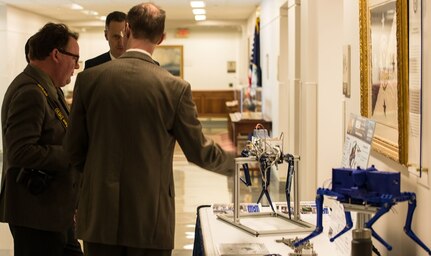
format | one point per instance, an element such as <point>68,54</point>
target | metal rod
<point>296,212</point>
<point>236,192</point>
<point>361,219</point>
<point>297,227</point>
<point>368,209</point>
<point>239,161</point>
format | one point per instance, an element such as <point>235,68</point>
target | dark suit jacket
<point>126,117</point>
<point>33,138</point>
<point>102,58</point>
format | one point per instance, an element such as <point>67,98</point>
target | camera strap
<point>58,113</point>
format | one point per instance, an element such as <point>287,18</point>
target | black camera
<point>36,181</point>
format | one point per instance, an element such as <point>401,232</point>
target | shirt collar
<point>138,50</point>
<point>112,56</point>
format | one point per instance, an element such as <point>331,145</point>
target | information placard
<point>357,147</point>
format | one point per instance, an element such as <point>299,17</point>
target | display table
<point>215,232</point>
<point>244,123</point>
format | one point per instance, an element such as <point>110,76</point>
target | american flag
<point>255,74</point>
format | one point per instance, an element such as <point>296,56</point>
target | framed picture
<point>170,57</point>
<point>231,66</point>
<point>384,74</point>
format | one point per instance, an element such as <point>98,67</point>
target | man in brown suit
<point>126,117</point>
<point>38,190</point>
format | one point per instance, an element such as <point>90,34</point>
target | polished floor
<point>194,186</point>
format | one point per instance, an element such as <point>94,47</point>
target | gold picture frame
<point>170,57</point>
<point>384,74</point>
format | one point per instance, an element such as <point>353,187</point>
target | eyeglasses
<point>76,57</point>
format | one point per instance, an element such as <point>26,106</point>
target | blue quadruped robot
<point>366,187</point>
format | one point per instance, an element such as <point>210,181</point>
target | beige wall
<point>206,52</point>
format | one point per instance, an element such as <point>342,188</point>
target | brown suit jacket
<point>33,138</point>
<point>126,117</point>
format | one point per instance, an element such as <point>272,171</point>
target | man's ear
<point>162,38</point>
<point>127,30</point>
<point>106,34</point>
<point>54,55</point>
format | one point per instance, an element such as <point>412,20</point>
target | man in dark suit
<point>38,191</point>
<point>114,34</point>
<point>126,118</point>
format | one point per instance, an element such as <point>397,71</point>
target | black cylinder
<point>361,242</point>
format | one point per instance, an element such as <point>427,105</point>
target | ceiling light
<point>74,6</point>
<point>197,4</point>
<point>102,18</point>
<point>199,11</point>
<point>90,12</point>
<point>200,17</point>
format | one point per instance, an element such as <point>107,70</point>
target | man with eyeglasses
<point>38,191</point>
<point>114,34</point>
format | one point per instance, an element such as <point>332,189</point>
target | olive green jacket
<point>33,138</point>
